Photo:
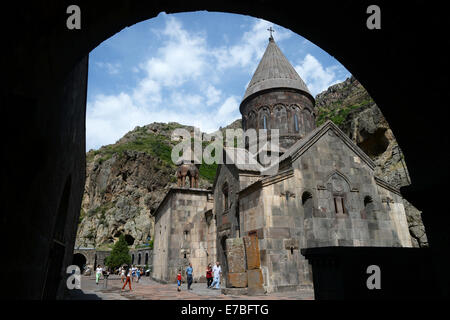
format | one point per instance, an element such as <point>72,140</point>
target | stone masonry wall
<point>188,235</point>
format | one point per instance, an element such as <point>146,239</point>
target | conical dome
<point>274,71</point>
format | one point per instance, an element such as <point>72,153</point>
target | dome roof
<point>274,71</point>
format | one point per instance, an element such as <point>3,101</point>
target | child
<point>179,280</point>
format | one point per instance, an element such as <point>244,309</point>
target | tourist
<point>217,271</point>
<point>138,274</point>
<point>133,273</point>
<point>208,276</point>
<point>189,272</point>
<point>122,274</point>
<point>128,279</point>
<point>179,280</point>
<point>98,273</point>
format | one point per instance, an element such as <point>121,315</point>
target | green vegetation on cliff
<point>154,140</point>
<point>340,100</point>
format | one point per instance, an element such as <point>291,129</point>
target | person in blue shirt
<point>189,272</point>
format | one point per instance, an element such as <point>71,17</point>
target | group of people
<point>135,275</point>
<point>99,271</point>
<point>129,275</point>
<point>213,275</point>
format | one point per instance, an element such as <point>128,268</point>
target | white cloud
<point>181,82</point>
<point>111,68</point>
<point>250,49</point>
<point>213,95</point>
<point>317,77</point>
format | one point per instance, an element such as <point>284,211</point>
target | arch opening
<point>80,260</point>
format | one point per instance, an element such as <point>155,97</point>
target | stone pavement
<point>148,289</point>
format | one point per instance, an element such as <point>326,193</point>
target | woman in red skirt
<point>128,279</point>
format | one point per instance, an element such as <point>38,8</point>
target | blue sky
<point>191,68</point>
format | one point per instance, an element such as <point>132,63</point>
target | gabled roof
<point>301,146</point>
<point>274,71</point>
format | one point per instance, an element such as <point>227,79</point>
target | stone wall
<point>142,257</point>
<point>184,233</point>
<point>279,107</point>
<point>322,201</point>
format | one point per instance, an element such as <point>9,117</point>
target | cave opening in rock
<point>129,239</point>
<point>374,144</point>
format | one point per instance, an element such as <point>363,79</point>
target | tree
<point>119,255</point>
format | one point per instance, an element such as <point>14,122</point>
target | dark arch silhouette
<point>46,70</point>
<point>80,260</point>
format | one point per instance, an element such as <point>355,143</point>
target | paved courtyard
<point>148,289</point>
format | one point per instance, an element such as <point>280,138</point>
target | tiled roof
<point>274,71</point>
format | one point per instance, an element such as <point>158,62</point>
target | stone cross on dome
<point>271,30</point>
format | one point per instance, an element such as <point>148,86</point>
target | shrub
<point>120,254</point>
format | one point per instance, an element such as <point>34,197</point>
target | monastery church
<point>255,224</point>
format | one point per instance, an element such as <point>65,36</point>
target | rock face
<point>125,183</point>
<point>349,106</point>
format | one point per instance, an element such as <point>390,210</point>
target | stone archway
<point>47,72</point>
<point>80,260</point>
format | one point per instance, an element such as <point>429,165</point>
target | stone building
<point>323,193</point>
<point>185,231</point>
<point>91,257</point>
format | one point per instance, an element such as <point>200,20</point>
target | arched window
<point>296,122</point>
<point>146,258</point>
<point>132,258</point>
<point>225,196</point>
<point>250,122</point>
<point>139,258</point>
<point>339,187</point>
<point>264,118</point>
<point>368,207</point>
<point>307,202</point>
<point>339,206</point>
<point>307,121</point>
<point>280,119</point>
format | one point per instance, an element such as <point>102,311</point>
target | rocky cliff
<point>125,182</point>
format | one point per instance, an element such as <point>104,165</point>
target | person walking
<point>128,279</point>
<point>98,273</point>
<point>189,271</point>
<point>209,277</point>
<point>217,271</point>
<point>122,274</point>
<point>179,280</point>
<point>133,273</point>
<point>138,274</point>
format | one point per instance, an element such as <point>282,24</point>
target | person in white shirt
<point>98,273</point>
<point>217,271</point>
<point>122,274</point>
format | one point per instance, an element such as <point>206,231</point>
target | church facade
<point>323,193</point>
